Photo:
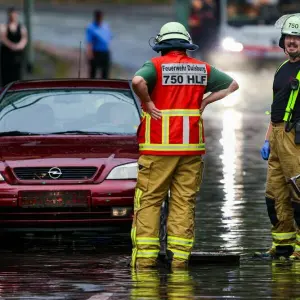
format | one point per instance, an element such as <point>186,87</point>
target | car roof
<point>68,83</point>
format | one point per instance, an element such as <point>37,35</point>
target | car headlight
<point>127,171</point>
<point>230,44</point>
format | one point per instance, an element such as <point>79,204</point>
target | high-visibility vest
<point>178,93</point>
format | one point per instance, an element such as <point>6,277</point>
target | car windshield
<point>259,12</point>
<point>69,110</point>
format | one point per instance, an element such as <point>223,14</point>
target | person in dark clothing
<point>203,26</point>
<point>98,37</point>
<point>13,42</point>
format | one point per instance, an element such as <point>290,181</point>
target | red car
<point>68,155</point>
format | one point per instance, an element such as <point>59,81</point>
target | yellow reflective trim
<point>147,238</point>
<point>137,197</point>
<point>285,244</point>
<point>180,241</point>
<point>282,65</point>
<point>298,237</point>
<point>165,129</point>
<point>179,112</point>
<point>147,135</point>
<point>175,147</point>
<point>147,253</point>
<point>184,110</point>
<point>179,238</point>
<point>133,236</point>
<point>291,103</point>
<point>297,248</point>
<point>180,254</point>
<point>134,248</point>
<point>147,241</point>
<point>200,132</point>
<point>284,235</point>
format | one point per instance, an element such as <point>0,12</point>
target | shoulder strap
<point>281,66</point>
<point>292,100</point>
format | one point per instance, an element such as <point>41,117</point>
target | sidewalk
<point>70,57</point>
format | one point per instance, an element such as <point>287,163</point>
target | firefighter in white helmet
<point>171,88</point>
<point>282,146</point>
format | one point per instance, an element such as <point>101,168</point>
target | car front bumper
<point>109,209</point>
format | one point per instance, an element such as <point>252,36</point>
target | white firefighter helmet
<point>289,24</point>
<point>172,31</point>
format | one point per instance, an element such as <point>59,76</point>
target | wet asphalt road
<point>231,214</point>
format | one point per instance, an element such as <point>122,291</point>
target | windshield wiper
<point>17,133</point>
<point>81,132</point>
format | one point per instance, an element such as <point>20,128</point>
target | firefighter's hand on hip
<point>265,150</point>
<point>152,110</point>
<point>203,105</point>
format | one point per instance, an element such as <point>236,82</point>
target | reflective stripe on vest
<point>165,145</point>
<point>180,86</point>
<point>292,101</point>
<point>281,66</point>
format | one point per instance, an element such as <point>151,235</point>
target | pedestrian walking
<point>98,38</point>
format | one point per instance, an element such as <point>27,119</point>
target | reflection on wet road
<point>101,276</point>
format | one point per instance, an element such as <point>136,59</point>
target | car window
<point>47,111</point>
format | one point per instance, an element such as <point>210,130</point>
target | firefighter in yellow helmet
<point>171,88</point>
<point>282,146</point>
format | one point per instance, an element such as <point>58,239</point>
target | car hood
<point>51,151</point>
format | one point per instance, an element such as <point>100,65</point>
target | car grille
<point>63,173</point>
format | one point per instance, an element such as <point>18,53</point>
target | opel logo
<point>54,173</point>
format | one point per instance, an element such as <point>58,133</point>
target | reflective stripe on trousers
<point>283,238</point>
<point>137,197</point>
<point>297,244</point>
<point>185,246</point>
<point>146,243</point>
